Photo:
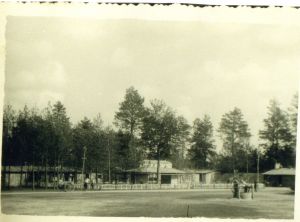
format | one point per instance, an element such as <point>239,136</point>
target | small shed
<point>281,177</point>
<point>201,176</point>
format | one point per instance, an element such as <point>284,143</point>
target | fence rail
<point>157,186</point>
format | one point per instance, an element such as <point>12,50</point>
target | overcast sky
<point>196,68</point>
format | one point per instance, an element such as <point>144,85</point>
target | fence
<point>158,187</point>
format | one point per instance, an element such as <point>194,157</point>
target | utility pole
<point>83,164</point>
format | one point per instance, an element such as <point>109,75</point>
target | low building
<point>202,176</point>
<point>147,173</point>
<point>29,176</point>
<point>280,177</point>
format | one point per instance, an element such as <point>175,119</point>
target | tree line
<point>47,138</point>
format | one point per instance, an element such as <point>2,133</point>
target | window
<point>202,178</point>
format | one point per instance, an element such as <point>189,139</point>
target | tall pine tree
<point>235,134</point>
<point>277,138</point>
<point>202,149</point>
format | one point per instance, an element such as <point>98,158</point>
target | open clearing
<point>275,203</point>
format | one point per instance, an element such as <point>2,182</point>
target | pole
<point>247,165</point>
<point>33,178</point>
<point>158,167</point>
<point>26,175</point>
<point>21,176</point>
<point>46,176</point>
<point>108,149</point>
<point>83,164</point>
<point>187,211</point>
<point>257,167</point>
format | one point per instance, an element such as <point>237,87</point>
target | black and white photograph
<point>150,115</point>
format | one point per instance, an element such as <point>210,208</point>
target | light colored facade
<point>23,176</point>
<point>201,176</point>
<point>147,173</point>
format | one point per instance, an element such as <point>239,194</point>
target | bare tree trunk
<point>83,165</point>
<point>257,168</point>
<point>21,176</point>
<point>8,184</point>
<point>46,175</point>
<point>3,177</point>
<point>233,154</point>
<point>97,175</point>
<point>57,170</point>
<point>61,171</point>
<point>158,167</point>
<point>247,165</point>
<point>109,173</point>
<point>33,178</point>
<point>27,171</point>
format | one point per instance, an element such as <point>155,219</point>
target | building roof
<point>150,166</point>
<point>18,169</point>
<point>280,171</point>
<point>168,170</point>
<point>200,171</point>
<point>154,170</point>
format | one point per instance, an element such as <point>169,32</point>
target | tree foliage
<point>162,131</point>
<point>277,138</point>
<point>202,149</point>
<point>235,134</point>
<point>60,122</point>
<point>9,121</point>
<point>293,115</point>
<point>129,121</point>
<point>46,138</point>
<point>131,111</point>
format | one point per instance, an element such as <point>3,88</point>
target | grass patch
<point>272,203</point>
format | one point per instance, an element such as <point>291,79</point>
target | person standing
<point>255,185</point>
<point>86,183</point>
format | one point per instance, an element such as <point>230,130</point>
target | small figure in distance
<point>61,183</point>
<point>86,183</point>
<point>255,185</point>
<point>55,183</point>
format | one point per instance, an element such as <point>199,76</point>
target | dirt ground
<point>275,203</point>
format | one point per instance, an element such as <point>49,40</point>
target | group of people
<point>61,183</point>
<point>240,184</point>
<point>89,184</point>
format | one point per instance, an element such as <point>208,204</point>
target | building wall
<point>288,181</point>
<point>209,178</point>
<point>280,180</point>
<point>141,178</point>
<point>196,178</point>
<point>175,179</point>
<point>14,179</point>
